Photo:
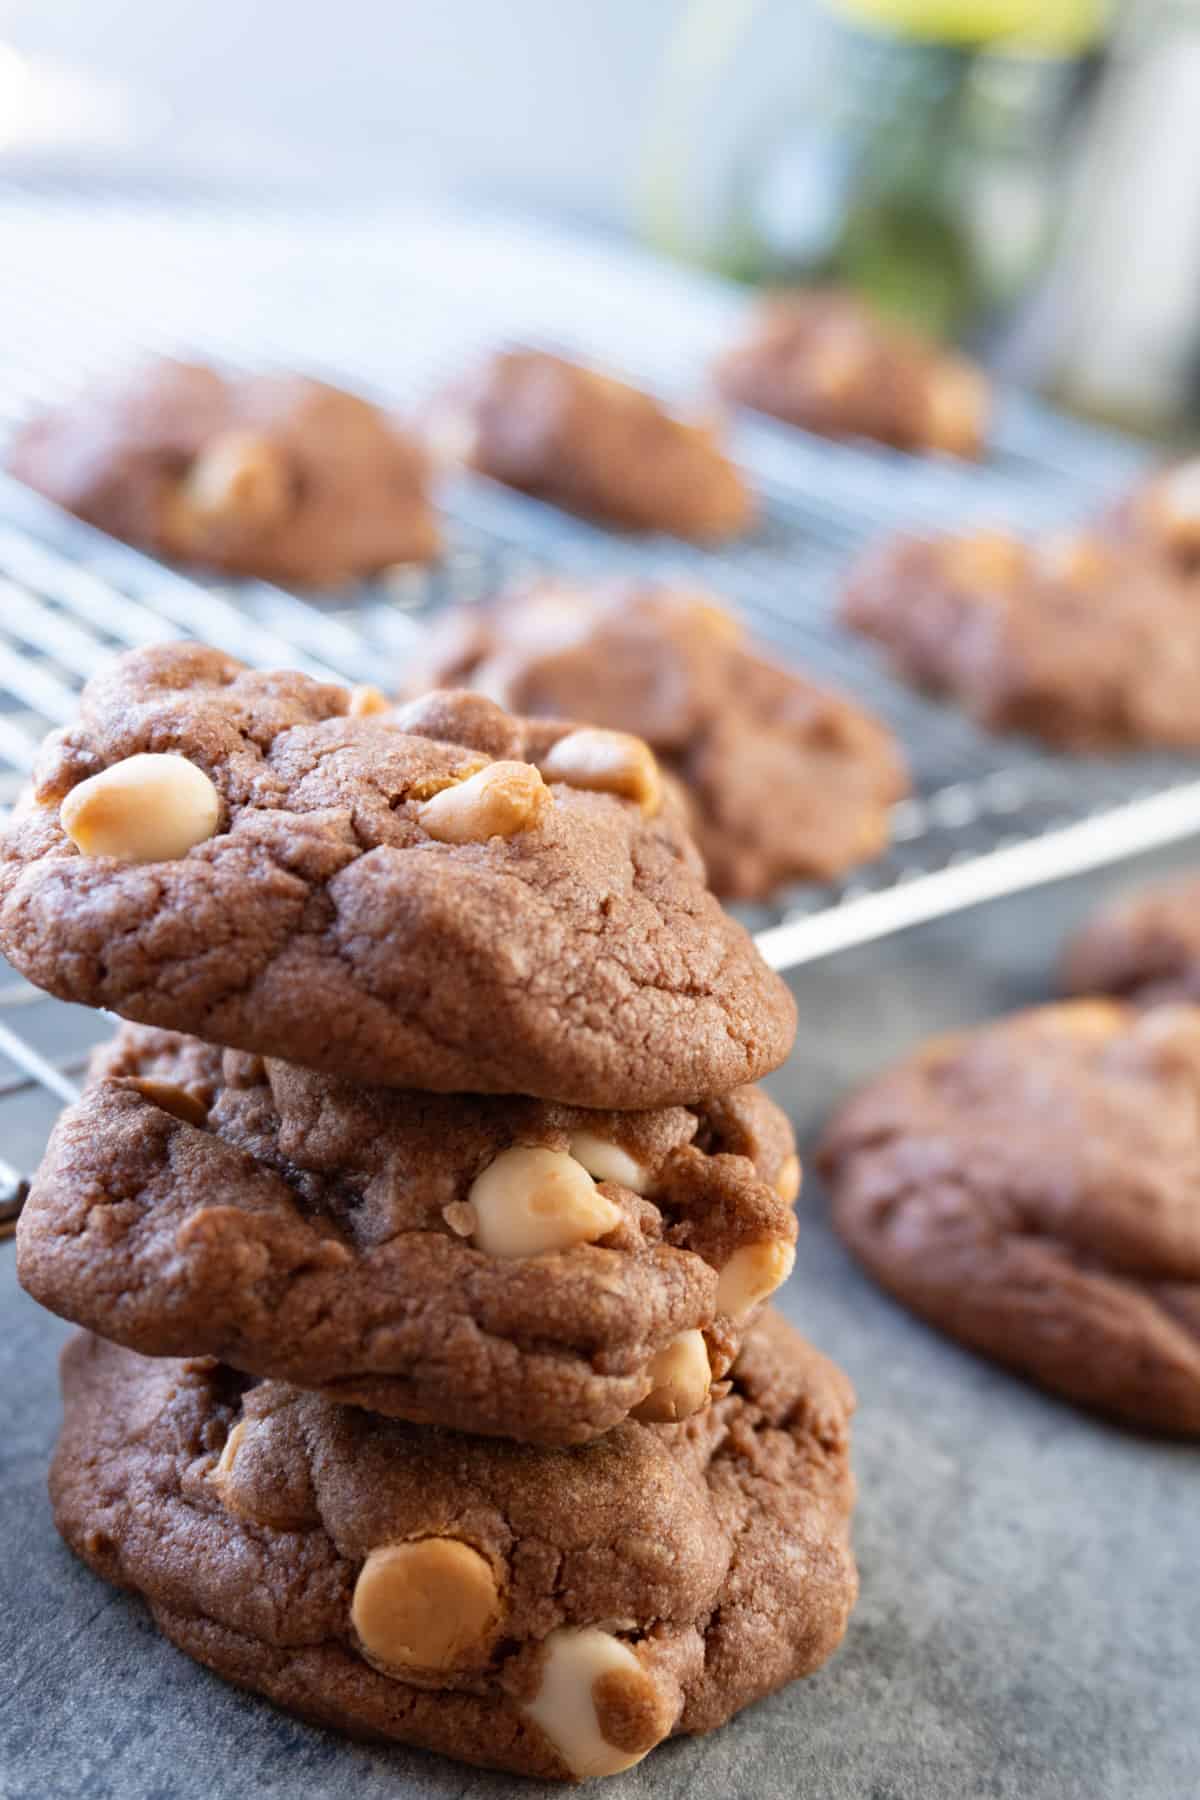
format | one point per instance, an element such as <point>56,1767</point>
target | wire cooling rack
<point>395,304</point>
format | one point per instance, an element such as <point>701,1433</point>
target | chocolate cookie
<point>496,1265</point>
<point>445,898</point>
<point>823,359</point>
<point>594,445</point>
<point>551,1612</point>
<point>1088,641</point>
<point>1030,1188</point>
<point>268,475</point>
<point>787,781</point>
<point>1146,947</point>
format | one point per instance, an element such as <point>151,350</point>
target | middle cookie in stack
<point>423,911</point>
<point>498,1265</point>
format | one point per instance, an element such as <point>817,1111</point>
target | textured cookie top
<point>493,1264</point>
<point>1145,946</point>
<point>1031,1187</point>
<point>1087,641</point>
<point>787,780</point>
<point>269,475</point>
<point>824,360</point>
<point>399,899</point>
<point>557,1612</point>
<point>597,446</point>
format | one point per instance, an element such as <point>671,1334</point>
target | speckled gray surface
<point>1029,1627</point>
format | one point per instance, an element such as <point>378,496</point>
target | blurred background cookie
<point>583,440</point>
<point>825,360</point>
<point>786,780</point>
<point>269,475</point>
<point>1089,640</point>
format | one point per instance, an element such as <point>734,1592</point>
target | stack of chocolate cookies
<point>431,1392</point>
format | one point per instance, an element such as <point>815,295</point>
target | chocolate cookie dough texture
<point>596,446</point>
<point>269,475</point>
<point>444,898</point>
<point>510,1181</point>
<point>823,360</point>
<point>1144,948</point>
<point>555,1613</point>
<point>785,780</point>
<point>1090,641</point>
<point>1030,1189</point>
<point>495,1264</point>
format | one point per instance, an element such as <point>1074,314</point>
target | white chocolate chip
<point>752,1273</point>
<point>708,616</point>
<point>145,809</point>
<point>497,801</point>
<point>607,1161</point>
<point>607,762</point>
<point>838,364</point>
<point>224,1466</point>
<point>787,1182</point>
<point>432,1603</point>
<point>222,1475</point>
<point>460,1218</point>
<point>1179,498</point>
<point>170,1098</point>
<point>1074,557</point>
<point>366,701</point>
<point>992,560</point>
<point>565,1704</point>
<point>681,1375</point>
<point>956,404</point>
<point>532,1200</point>
<point>241,475</point>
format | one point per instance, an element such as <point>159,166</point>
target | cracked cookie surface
<point>270,475</point>
<point>352,914</point>
<point>551,1612</point>
<point>786,779</point>
<point>581,440</point>
<point>1030,1188</point>
<point>492,1264</point>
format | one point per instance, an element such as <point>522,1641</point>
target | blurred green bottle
<point>917,155</point>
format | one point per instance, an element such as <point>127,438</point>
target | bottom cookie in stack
<point>554,1612</point>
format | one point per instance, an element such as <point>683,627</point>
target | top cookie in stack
<point>445,897</point>
<point>417,910</point>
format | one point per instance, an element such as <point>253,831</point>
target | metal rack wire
<point>396,306</point>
